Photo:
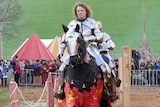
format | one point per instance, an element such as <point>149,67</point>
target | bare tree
<point>11,14</point>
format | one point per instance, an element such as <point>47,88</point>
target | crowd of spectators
<point>33,72</point>
<point>148,71</point>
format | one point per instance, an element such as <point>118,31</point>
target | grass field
<point>122,20</point>
<point>4,96</point>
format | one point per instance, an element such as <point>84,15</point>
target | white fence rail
<point>145,78</point>
<point>138,77</point>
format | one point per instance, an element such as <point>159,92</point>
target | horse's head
<point>75,44</point>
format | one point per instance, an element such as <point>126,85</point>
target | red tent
<point>34,49</point>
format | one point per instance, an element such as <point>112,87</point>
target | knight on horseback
<point>105,45</point>
<point>90,33</point>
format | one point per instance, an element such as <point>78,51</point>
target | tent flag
<point>34,49</point>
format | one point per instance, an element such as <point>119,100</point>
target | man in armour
<point>91,34</point>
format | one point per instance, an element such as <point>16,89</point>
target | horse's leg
<point>108,86</point>
<point>113,89</point>
<point>111,73</point>
<point>106,94</point>
<point>116,79</point>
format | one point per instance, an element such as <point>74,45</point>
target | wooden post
<point>120,76</point>
<point>13,94</point>
<point>49,77</point>
<point>49,90</point>
<point>55,89</point>
<point>125,74</point>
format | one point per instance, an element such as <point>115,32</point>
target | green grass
<point>122,20</point>
<point>4,96</point>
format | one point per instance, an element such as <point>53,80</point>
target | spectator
<point>1,76</point>
<point>36,73</point>
<point>150,73</point>
<point>31,71</point>
<point>16,69</point>
<point>10,74</point>
<point>52,68</point>
<point>45,70</point>
<point>4,72</point>
<point>133,65</point>
<point>23,74</point>
<point>142,65</point>
<point>136,57</point>
<point>149,66</point>
<point>28,70</point>
<point>158,70</point>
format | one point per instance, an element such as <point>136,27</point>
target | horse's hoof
<point>118,82</point>
<point>59,95</point>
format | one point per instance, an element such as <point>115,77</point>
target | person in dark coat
<point>36,73</point>
<point>136,57</point>
<point>16,69</point>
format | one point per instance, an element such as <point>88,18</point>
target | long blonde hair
<point>85,6</point>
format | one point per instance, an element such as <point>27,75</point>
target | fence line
<point>29,77</point>
<point>16,88</point>
<point>48,88</point>
<point>145,78</point>
<point>138,77</point>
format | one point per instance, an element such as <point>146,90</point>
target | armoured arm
<point>91,33</point>
<point>91,38</point>
<point>111,44</point>
<point>97,33</point>
<point>107,39</point>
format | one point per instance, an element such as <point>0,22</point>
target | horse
<point>83,81</point>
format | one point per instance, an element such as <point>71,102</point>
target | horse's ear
<point>65,29</point>
<point>77,28</point>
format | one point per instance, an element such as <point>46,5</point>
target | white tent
<point>46,42</point>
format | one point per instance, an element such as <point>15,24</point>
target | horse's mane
<point>82,48</point>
